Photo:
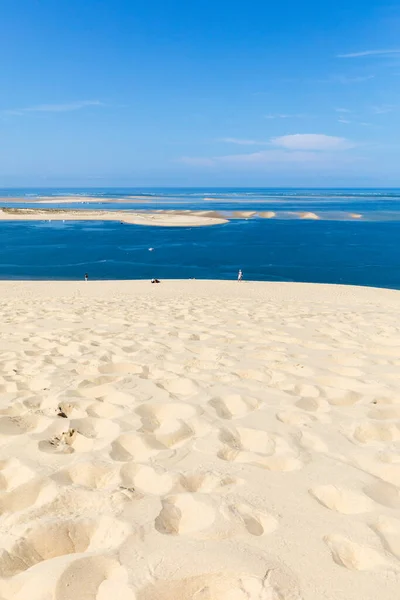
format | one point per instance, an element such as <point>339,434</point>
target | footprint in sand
<point>71,410</point>
<point>233,406</point>
<point>355,557</point>
<point>311,441</point>
<point>384,493</point>
<point>348,360</point>
<point>180,386</point>
<point>207,482</point>
<point>139,447</point>
<point>294,418</point>
<point>66,580</point>
<point>18,425</point>
<point>313,405</point>
<point>339,397</point>
<point>185,514</point>
<point>255,522</point>
<point>257,448</point>
<point>153,415</point>
<point>385,414</point>
<point>49,540</point>
<point>96,388</point>
<point>104,410</point>
<point>373,433</point>
<point>14,473</point>
<point>67,441</point>
<point>216,586</point>
<point>146,479</point>
<point>170,423</point>
<point>387,472</point>
<point>388,530</point>
<point>95,428</point>
<point>90,475</point>
<point>305,390</point>
<point>34,493</point>
<point>342,500</point>
<point>121,369</point>
<point>244,438</point>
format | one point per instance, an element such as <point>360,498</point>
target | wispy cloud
<point>229,140</point>
<point>284,116</point>
<point>272,159</point>
<point>297,141</point>
<point>300,149</point>
<point>53,108</point>
<point>263,157</point>
<point>312,141</point>
<point>383,109</point>
<point>198,161</point>
<point>345,79</point>
<point>344,121</point>
<point>363,53</point>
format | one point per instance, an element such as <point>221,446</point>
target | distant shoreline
<point>165,218</point>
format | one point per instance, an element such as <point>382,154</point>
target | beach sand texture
<point>199,441</point>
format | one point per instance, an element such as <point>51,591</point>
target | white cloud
<point>275,159</point>
<point>296,149</point>
<point>263,157</point>
<point>284,116</point>
<point>345,121</point>
<point>46,108</point>
<point>311,141</point>
<point>298,141</point>
<point>356,79</point>
<point>198,161</point>
<point>383,109</point>
<point>269,156</point>
<point>370,53</point>
<point>241,142</point>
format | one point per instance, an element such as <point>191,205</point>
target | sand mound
<point>308,215</point>
<point>267,214</point>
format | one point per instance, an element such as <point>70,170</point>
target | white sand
<point>199,441</point>
<point>161,219</point>
<point>308,215</point>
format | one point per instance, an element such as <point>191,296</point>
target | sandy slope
<point>199,441</point>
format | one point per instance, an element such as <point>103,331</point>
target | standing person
<point>240,275</point>
<point>86,277</point>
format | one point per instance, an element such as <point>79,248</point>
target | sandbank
<point>199,440</point>
<point>267,214</point>
<point>308,215</point>
<point>161,219</point>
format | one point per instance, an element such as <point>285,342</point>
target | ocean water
<point>330,250</point>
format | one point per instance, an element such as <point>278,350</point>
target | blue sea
<point>334,249</point>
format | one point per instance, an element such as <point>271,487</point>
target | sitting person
<point>155,281</point>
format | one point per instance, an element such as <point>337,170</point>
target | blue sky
<point>157,93</point>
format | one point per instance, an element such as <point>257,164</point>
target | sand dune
<point>199,441</point>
